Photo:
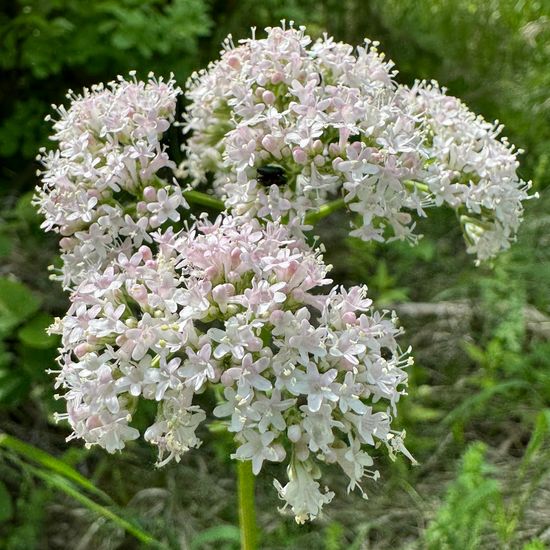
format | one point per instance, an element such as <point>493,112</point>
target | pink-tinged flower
<point>248,375</point>
<point>199,367</point>
<point>238,303</point>
<point>302,493</point>
<point>108,147</point>
<point>270,411</point>
<point>166,206</point>
<point>237,338</point>
<point>136,342</point>
<point>334,122</point>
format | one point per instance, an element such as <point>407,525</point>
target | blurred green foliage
<point>477,415</point>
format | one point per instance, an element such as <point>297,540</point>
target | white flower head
<point>239,305</point>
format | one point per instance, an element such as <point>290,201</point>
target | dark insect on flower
<point>271,174</point>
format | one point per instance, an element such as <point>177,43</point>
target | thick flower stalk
<point>305,377</point>
<point>283,123</point>
<point>101,190</point>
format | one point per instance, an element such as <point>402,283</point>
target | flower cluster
<point>473,171</point>
<point>308,378</point>
<point>283,123</point>
<point>101,190</point>
<point>164,309</point>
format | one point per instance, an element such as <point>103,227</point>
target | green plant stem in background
<point>202,199</point>
<point>247,509</point>
<point>412,185</point>
<point>196,197</point>
<point>313,217</point>
<point>59,483</point>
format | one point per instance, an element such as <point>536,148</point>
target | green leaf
<point>6,505</point>
<point>5,246</point>
<point>475,353</point>
<point>469,505</point>
<point>34,335</point>
<point>24,209</point>
<point>17,302</point>
<point>534,544</point>
<point>473,405</point>
<point>334,536</point>
<point>424,414</point>
<point>14,386</point>
<point>36,362</point>
<point>540,433</point>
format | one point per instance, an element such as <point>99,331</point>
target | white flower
<point>235,302</point>
<point>108,150</point>
<point>136,342</point>
<point>259,447</point>
<point>317,386</point>
<point>302,493</point>
<point>166,206</point>
<point>248,375</point>
<point>199,367</point>
<point>269,411</point>
<point>237,337</point>
<point>354,461</point>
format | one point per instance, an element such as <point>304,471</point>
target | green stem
<point>196,197</point>
<point>313,217</point>
<point>412,185</point>
<point>247,510</point>
<point>62,485</point>
<point>49,462</point>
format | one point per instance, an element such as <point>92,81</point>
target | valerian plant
<point>166,304</point>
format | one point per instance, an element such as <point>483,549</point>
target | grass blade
<point>60,483</point>
<point>34,454</point>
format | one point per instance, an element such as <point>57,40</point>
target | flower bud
<point>234,62</point>
<point>66,243</point>
<point>349,318</point>
<point>277,77</point>
<point>268,97</point>
<point>82,349</point>
<point>294,433</point>
<point>299,155</point>
<point>146,253</point>
<point>270,144</point>
<point>150,194</point>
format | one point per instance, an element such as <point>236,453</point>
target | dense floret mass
<point>307,377</point>
<point>471,169</point>
<point>101,191</point>
<point>332,121</point>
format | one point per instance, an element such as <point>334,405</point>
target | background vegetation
<point>478,414</point>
